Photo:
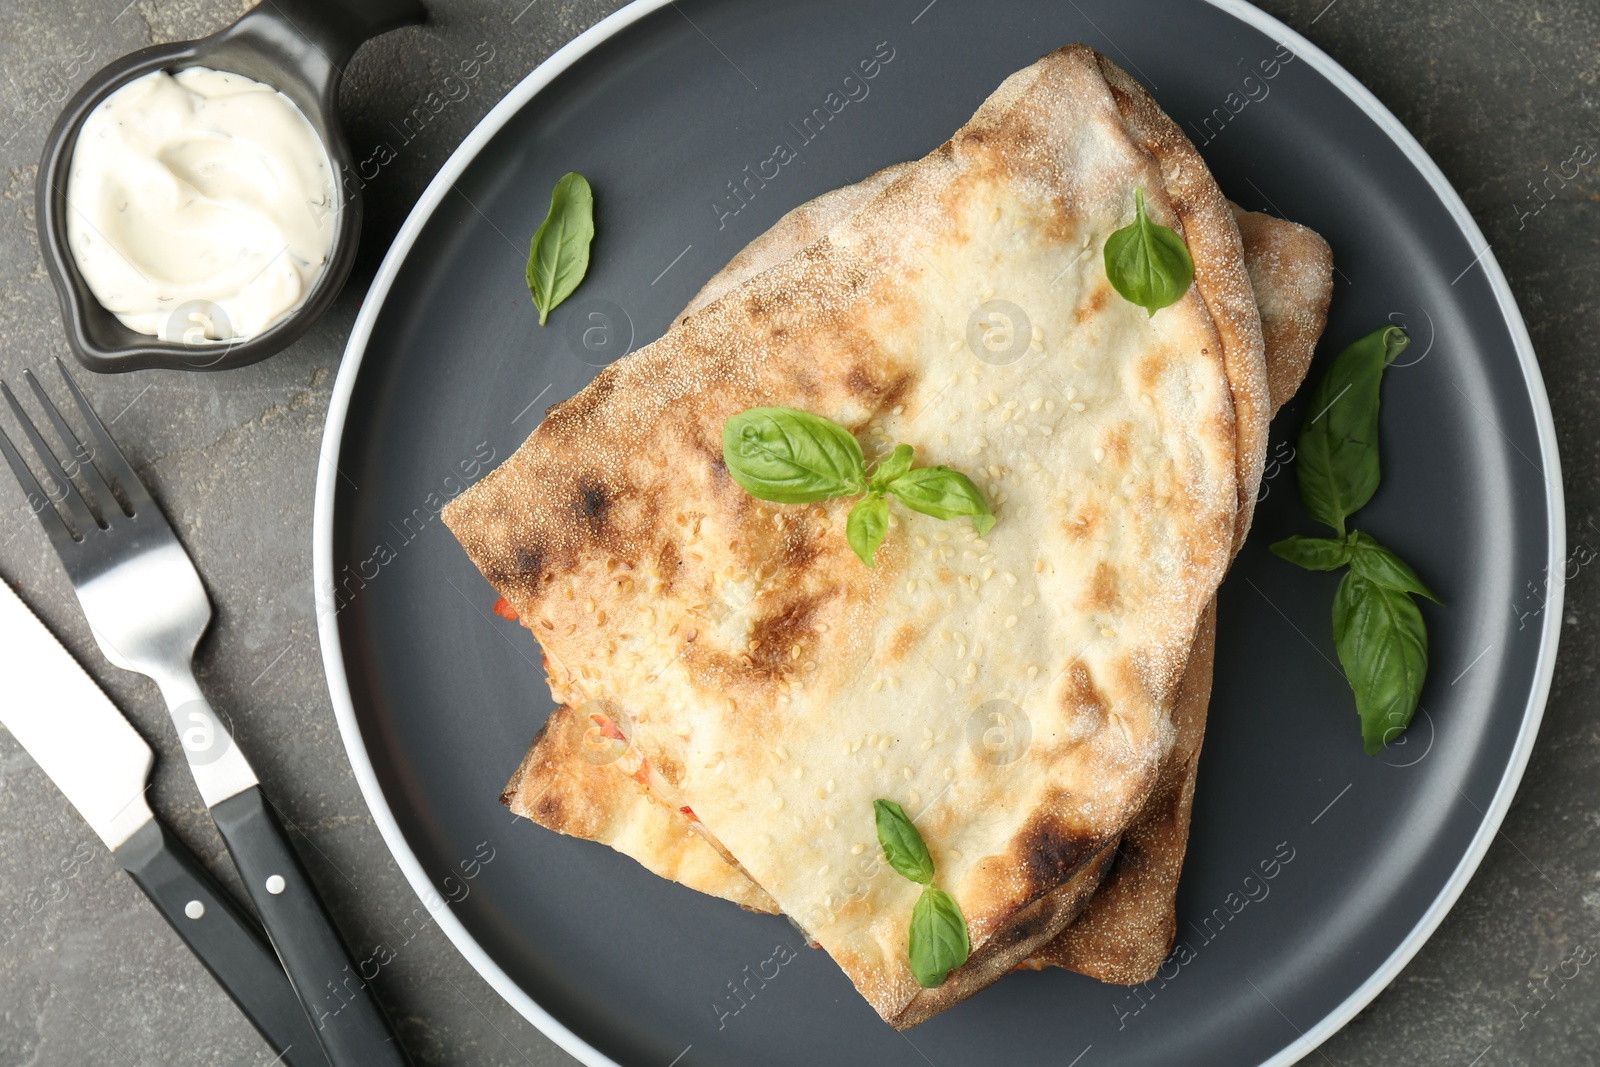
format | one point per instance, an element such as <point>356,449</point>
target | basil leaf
<point>868,522</point>
<point>1147,262</point>
<point>1383,646</point>
<point>558,257</point>
<point>893,466</point>
<point>1337,457</point>
<point>944,494</point>
<point>1377,564</point>
<point>938,937</point>
<point>901,843</point>
<point>791,457</point>
<point>1313,553</point>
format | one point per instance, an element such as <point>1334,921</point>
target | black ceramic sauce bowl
<point>299,47</point>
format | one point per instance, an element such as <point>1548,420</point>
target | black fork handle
<point>337,998</point>
<point>227,942</point>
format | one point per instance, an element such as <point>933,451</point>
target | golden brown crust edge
<point>1032,924</point>
<point>561,791</point>
<point>1126,930</point>
<point>1291,272</point>
<point>1214,244</point>
<point>801,226</point>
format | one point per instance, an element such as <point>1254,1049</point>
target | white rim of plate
<point>526,90</point>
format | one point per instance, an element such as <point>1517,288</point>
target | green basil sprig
<point>1377,627</point>
<point>866,526</point>
<point>1338,453</point>
<point>794,457</point>
<point>1383,648</point>
<point>1146,262</point>
<point>938,932</point>
<point>894,465</point>
<point>944,494</point>
<point>938,937</point>
<point>902,843</point>
<point>558,256</point>
<point>1378,565</point>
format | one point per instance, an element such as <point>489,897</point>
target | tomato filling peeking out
<point>602,742</point>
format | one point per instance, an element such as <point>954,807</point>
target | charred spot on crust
<point>776,633</point>
<point>797,550</point>
<point>898,388</point>
<point>1050,851</point>
<point>548,810</point>
<point>760,305</point>
<point>528,559</point>
<point>591,502</point>
<point>876,392</point>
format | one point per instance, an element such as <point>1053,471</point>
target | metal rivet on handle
<point>194,909</point>
<point>275,884</point>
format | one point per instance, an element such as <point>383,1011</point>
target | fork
<point>147,609</point>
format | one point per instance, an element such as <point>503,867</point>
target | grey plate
<point>660,108</point>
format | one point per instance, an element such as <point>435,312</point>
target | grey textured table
<point>1498,92</point>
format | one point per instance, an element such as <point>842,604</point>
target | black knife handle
<point>223,938</point>
<point>338,1001</point>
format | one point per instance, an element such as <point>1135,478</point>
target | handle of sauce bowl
<point>318,37</point>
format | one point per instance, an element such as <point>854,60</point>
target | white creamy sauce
<point>200,205</point>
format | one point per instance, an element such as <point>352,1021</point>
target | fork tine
<point>25,480</point>
<point>77,510</point>
<point>38,501</point>
<point>83,456</point>
<point>114,463</point>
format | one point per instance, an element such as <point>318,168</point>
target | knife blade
<point>98,760</point>
<point>70,728</point>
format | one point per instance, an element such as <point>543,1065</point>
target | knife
<point>89,750</point>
